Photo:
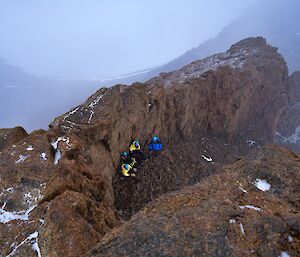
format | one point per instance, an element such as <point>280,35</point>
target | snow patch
<point>232,221</point>
<point>55,147</point>
<point>91,116</point>
<point>92,106</point>
<point>55,143</point>
<point>94,103</point>
<point>22,158</point>
<point>251,143</point>
<point>70,113</point>
<point>292,139</point>
<point>245,191</point>
<point>43,156</point>
<point>284,254</point>
<point>235,60</point>
<point>242,229</point>
<point>290,238</point>
<point>9,190</point>
<point>57,156</point>
<point>33,197</point>
<point>262,184</point>
<point>6,216</point>
<point>250,207</point>
<point>30,148</point>
<point>33,240</point>
<point>208,159</point>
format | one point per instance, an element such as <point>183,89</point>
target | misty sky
<point>94,39</point>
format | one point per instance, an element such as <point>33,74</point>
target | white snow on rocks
<point>233,59</point>
<point>262,184</point>
<point>250,207</point>
<point>232,221</point>
<point>55,147</point>
<point>91,116</point>
<point>290,238</point>
<point>284,254</point>
<point>92,106</point>
<point>33,196</point>
<point>43,156</point>
<point>9,190</point>
<point>55,143</point>
<point>30,148</point>
<point>33,240</point>
<point>6,216</point>
<point>208,159</point>
<point>242,229</point>
<point>57,156</point>
<point>94,103</point>
<point>245,191</point>
<point>22,158</point>
<point>251,143</point>
<point>70,113</point>
<point>292,139</point>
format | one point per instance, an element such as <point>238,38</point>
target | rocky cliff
<point>288,132</point>
<point>60,193</point>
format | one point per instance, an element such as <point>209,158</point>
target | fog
<point>78,39</point>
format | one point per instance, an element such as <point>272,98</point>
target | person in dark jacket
<point>155,146</point>
<point>127,165</point>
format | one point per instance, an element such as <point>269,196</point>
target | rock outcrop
<point>10,136</point>
<point>60,193</point>
<point>249,209</point>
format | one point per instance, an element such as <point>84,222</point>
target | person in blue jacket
<point>155,146</point>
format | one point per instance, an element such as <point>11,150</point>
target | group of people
<point>130,162</point>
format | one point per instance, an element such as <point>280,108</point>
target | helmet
<point>124,154</point>
<point>155,138</point>
<point>136,143</point>
<point>127,166</point>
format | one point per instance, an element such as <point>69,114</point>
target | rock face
<point>10,136</point>
<point>288,133</point>
<point>59,190</point>
<point>224,215</point>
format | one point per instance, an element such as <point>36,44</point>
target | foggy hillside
<point>280,26</point>
<point>33,101</point>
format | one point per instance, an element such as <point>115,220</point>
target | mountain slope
<point>277,21</point>
<point>60,189</point>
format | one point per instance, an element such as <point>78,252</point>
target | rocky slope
<point>60,193</point>
<point>228,214</point>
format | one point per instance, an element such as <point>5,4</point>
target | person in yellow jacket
<point>136,153</point>
<point>125,169</point>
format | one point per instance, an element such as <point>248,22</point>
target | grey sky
<point>93,39</point>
